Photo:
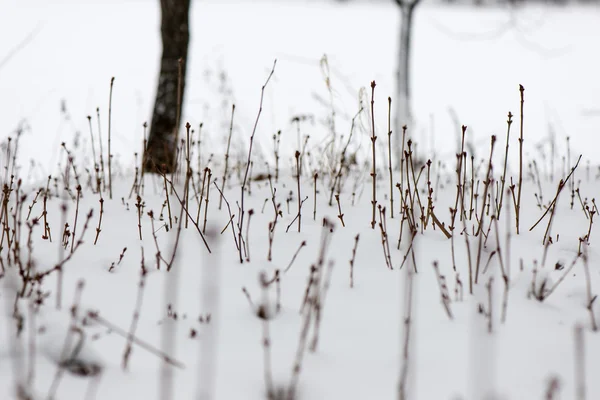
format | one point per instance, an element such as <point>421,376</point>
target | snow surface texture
<point>197,333</point>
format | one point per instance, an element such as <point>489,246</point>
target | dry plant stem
<point>403,392</point>
<point>206,201</point>
<point>76,215</point>
<point>580,372</point>
<point>588,286</point>
<point>315,177</point>
<point>490,308</point>
<point>245,180</point>
<point>94,159</point>
<point>546,239</point>
<point>572,185</point>
<point>473,188</point>
<point>266,340</point>
<point>311,280</point>
<point>250,180</point>
<point>443,290</point>
<point>337,181</point>
<point>250,302</point>
<point>247,241</point>
<point>319,305</point>
<point>278,289</point>
<point>227,155</point>
<point>390,158</point>
<point>144,153</point>
<point>589,232</point>
<point>470,261</point>
<point>41,275</point>
<point>101,151</point>
<point>340,214</point>
<point>466,236</point>
<point>4,217</point>
<point>202,194</point>
<point>402,160</point>
<point>65,357</point>
<point>177,235</point>
<point>37,194</point>
<point>187,213</point>
<point>384,238</point>
<point>562,278</point>
<point>135,186</point>
<point>110,192</point>
<point>458,289</point>
<point>237,246</point>
<point>416,185</point>
<point>440,225</point>
<point>59,279</point>
<point>294,257</point>
<point>6,169</point>
<point>297,157</point>
<point>297,215</point>
<point>168,202</point>
<point>459,160</point>
<point>502,269</point>
<point>138,206</point>
<point>553,391</point>
<point>136,314</point>
<point>188,170</point>
<point>503,177</point>
<point>518,207</point>
<point>271,238</point>
<point>300,351</point>
<point>99,227</point>
<point>464,186</point>
<point>409,250</point>
<point>414,191</point>
<point>561,186</point>
<point>356,238</point>
<point>135,340</point>
<point>487,182</point>
<point>199,161</point>
<point>374,168</point>
<point>229,223</point>
<point>317,271</point>
<point>479,233</point>
<point>429,197</point>
<point>159,256</point>
<point>453,253</point>
<point>276,143</point>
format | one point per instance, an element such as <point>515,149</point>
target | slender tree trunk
<point>161,151</point>
<point>403,99</point>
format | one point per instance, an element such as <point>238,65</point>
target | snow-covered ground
<point>467,63</point>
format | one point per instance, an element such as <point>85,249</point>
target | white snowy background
<point>57,59</point>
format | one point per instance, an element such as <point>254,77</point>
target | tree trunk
<point>161,149</point>
<point>403,109</point>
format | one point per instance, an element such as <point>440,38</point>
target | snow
<point>470,61</point>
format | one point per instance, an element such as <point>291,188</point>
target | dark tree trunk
<point>403,101</point>
<point>161,150</point>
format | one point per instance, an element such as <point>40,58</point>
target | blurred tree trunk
<point>403,99</point>
<point>161,149</point>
